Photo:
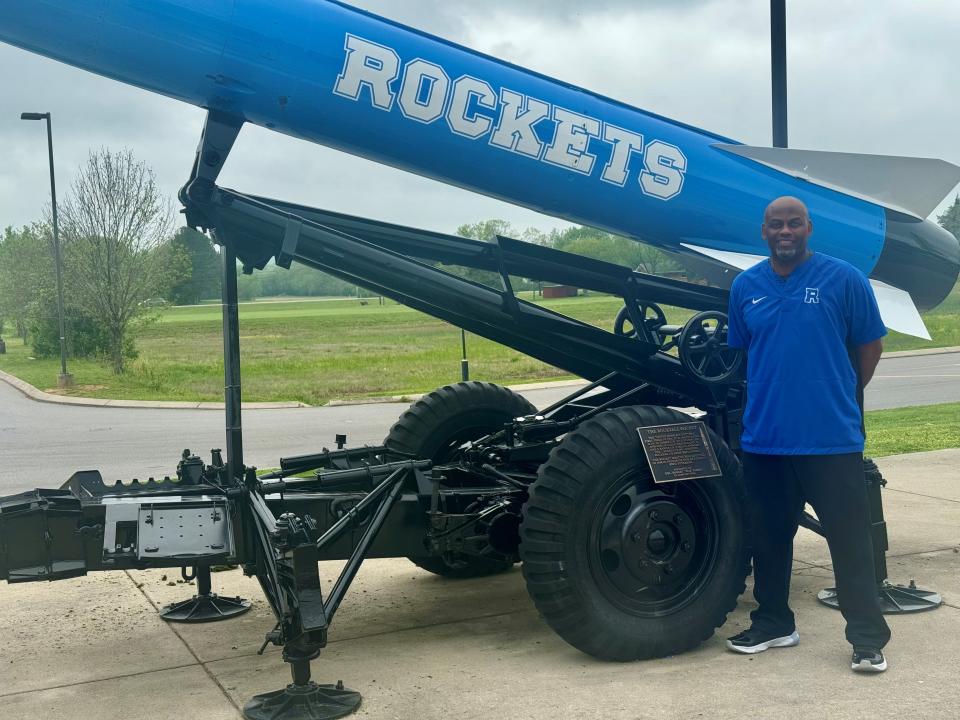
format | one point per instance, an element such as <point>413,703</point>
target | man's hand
<point>868,356</point>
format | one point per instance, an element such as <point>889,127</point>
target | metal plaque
<point>679,451</point>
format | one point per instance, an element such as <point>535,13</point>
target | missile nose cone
<point>920,257</point>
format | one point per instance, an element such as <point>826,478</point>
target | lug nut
<point>678,519</point>
<point>654,515</point>
<point>685,547</point>
<point>636,537</point>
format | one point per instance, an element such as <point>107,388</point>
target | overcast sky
<point>870,76</point>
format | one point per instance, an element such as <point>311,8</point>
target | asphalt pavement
<point>41,444</point>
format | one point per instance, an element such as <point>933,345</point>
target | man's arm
<point>868,356</point>
<point>737,334</point>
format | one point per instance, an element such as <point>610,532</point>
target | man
<point>804,318</point>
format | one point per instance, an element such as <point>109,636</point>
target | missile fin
<point>897,308</point>
<point>740,261</point>
<point>914,186</point>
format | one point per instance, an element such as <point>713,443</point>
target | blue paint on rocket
<point>332,74</point>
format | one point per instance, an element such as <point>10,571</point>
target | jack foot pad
<point>303,702</point>
<point>205,608</point>
<point>894,599</point>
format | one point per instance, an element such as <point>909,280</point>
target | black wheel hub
<point>653,550</point>
<point>655,542</point>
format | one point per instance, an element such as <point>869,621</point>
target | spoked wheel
<point>704,351</point>
<point>620,567</point>
<point>653,317</point>
<point>435,427</point>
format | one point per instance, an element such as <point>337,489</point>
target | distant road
<point>41,444</point>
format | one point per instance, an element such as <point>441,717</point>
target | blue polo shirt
<point>801,385</point>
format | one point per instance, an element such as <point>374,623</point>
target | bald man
<point>812,333</point>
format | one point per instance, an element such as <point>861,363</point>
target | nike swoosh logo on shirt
<point>756,300</point>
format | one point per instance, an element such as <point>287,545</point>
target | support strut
<point>894,599</point>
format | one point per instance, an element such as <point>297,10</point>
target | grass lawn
<point>913,429</point>
<point>315,351</point>
<point>311,351</point>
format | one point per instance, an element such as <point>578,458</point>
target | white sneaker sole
<point>785,641</point>
<point>865,666</point>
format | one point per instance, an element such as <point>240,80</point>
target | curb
<point>40,396</point>
<point>927,351</point>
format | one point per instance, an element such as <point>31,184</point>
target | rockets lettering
<point>508,120</point>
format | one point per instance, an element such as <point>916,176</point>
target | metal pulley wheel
<point>652,315</point>
<point>704,352</point>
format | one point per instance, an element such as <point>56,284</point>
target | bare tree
<point>114,222</point>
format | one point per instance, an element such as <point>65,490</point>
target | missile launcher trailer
<point>470,480</point>
<point>627,514</point>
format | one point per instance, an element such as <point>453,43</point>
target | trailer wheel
<point>624,569</point>
<point>435,427</point>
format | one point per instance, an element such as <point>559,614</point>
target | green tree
<point>26,273</point>
<point>114,226</point>
<point>950,220</point>
<point>485,231</point>
<point>200,274</point>
<point>617,249</point>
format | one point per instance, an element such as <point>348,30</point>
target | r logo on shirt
<point>812,295</point>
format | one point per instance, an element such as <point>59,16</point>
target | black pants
<point>834,485</point>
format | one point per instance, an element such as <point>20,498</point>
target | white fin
<point>740,261</point>
<point>898,310</point>
<point>914,186</point>
<point>896,306</point>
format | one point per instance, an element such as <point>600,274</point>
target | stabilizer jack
<point>303,698</point>
<point>205,606</point>
<point>894,599</point>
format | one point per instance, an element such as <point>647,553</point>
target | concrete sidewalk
<point>420,647</point>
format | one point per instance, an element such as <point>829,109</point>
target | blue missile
<point>335,75</point>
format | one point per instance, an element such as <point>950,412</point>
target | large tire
<point>435,426</point>
<point>597,536</point>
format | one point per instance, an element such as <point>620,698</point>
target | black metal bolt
<point>685,547</point>
<point>654,514</point>
<point>636,537</point>
<point>678,519</point>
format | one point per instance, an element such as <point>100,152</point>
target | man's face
<point>786,227</point>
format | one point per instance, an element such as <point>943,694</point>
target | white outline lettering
<point>665,166</point>
<point>624,144</point>
<point>414,74</point>
<point>514,131</point>
<point>459,118</point>
<point>368,65</point>
<point>570,141</point>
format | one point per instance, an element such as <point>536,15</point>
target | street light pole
<point>464,363</point>
<point>778,70</point>
<point>65,379</point>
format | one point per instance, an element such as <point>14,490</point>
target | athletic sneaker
<point>868,660</point>
<point>754,641</point>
